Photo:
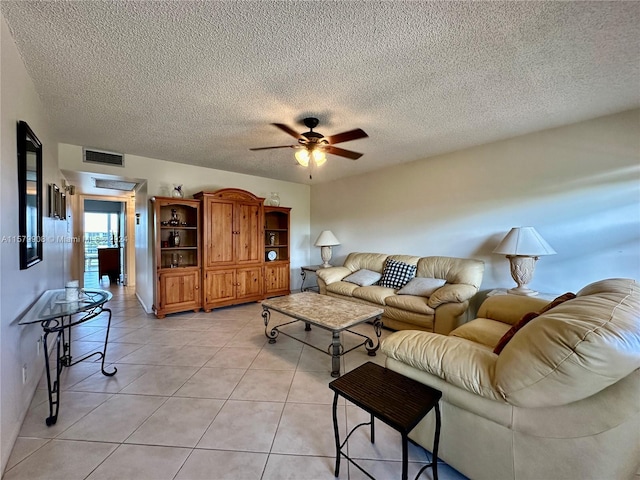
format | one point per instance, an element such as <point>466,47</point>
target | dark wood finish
<point>398,401</point>
<point>29,196</point>
<point>109,263</point>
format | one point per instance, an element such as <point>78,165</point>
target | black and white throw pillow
<point>396,274</point>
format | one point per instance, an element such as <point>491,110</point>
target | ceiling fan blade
<point>342,152</point>
<point>269,148</point>
<point>287,129</point>
<point>347,136</point>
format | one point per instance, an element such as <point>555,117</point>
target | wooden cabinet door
<point>277,278</point>
<point>220,286</point>
<point>180,290</point>
<point>249,282</point>
<point>219,233</point>
<point>249,242</point>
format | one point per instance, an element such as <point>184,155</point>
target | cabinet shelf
<point>277,270</point>
<point>177,267</point>
<point>173,269</point>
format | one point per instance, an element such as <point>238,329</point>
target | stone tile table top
<point>331,313</point>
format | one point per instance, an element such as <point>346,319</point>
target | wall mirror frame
<point>30,196</point>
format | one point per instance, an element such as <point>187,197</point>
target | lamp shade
<point>525,241</point>
<point>302,157</point>
<point>327,239</point>
<point>319,157</point>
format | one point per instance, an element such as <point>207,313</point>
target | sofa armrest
<point>455,360</point>
<point>509,309</point>
<point>452,293</point>
<point>449,316</point>
<point>332,274</point>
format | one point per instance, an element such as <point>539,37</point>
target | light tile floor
<point>201,396</point>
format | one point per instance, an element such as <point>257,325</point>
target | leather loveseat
<point>560,401</point>
<point>438,311</point>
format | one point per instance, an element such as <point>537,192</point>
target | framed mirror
<point>30,196</point>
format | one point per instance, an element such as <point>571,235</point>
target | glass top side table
<point>56,315</point>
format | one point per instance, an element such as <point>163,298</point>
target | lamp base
<point>325,254</point>
<point>522,268</point>
<point>522,291</point>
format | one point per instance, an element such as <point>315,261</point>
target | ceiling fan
<point>314,145</point>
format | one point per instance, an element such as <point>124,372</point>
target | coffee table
<point>328,313</point>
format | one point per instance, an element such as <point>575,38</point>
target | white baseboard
<point>146,309</point>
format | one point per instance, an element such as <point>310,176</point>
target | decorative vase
<point>174,221</point>
<point>177,191</point>
<point>272,238</point>
<point>274,199</point>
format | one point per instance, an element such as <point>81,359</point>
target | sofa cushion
<point>482,330</point>
<point>363,277</point>
<point>421,286</point>
<point>527,317</point>
<point>373,294</point>
<point>453,270</point>
<point>462,363</point>
<point>399,319</point>
<point>371,261</point>
<point>342,288</point>
<point>411,303</point>
<point>396,274</point>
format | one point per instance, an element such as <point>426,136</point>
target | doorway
<point>103,241</point>
<point>105,259</point>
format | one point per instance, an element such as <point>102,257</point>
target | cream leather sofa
<point>562,399</point>
<point>441,312</point>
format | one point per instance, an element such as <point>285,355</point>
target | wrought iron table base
<point>303,273</point>
<point>336,349</point>
<point>64,358</point>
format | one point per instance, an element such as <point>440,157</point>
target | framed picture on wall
<point>57,202</point>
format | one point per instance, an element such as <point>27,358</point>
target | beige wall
<point>578,185</point>
<point>20,288</point>
<point>159,177</point>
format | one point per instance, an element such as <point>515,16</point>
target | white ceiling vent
<point>91,155</point>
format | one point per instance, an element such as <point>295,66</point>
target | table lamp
<point>325,241</point>
<point>523,246</point>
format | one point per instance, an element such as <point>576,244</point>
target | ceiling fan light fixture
<point>315,146</point>
<point>319,156</point>
<point>303,157</point>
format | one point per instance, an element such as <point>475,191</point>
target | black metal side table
<point>398,401</point>
<point>303,271</point>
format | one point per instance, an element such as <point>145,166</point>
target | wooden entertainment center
<point>234,246</point>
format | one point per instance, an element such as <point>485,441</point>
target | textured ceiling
<point>200,82</point>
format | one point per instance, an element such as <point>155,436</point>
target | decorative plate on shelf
<point>271,255</point>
